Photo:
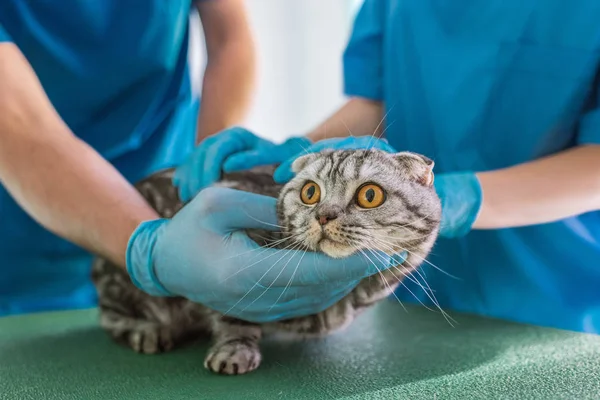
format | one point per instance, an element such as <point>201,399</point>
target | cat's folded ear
<point>416,167</point>
<point>303,161</point>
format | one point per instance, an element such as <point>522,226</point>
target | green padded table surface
<point>388,353</point>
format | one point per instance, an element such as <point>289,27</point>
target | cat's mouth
<point>333,247</point>
<point>329,237</point>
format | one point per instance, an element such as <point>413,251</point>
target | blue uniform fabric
<point>117,72</point>
<point>482,85</point>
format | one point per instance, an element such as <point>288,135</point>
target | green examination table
<point>388,353</point>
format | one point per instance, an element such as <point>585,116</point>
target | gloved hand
<point>461,196</point>
<point>202,254</point>
<point>267,155</point>
<point>204,166</point>
<point>284,172</point>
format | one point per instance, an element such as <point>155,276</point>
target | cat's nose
<point>326,215</point>
<point>324,219</point>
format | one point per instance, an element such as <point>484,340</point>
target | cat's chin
<point>335,249</point>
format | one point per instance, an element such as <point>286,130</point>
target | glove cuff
<point>140,264</point>
<point>474,187</point>
<point>461,197</point>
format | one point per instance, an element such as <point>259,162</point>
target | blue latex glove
<point>202,254</point>
<point>267,154</point>
<point>461,196</point>
<point>204,166</point>
<point>284,172</point>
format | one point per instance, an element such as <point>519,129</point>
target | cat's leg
<point>142,336</point>
<point>144,323</point>
<point>235,350</point>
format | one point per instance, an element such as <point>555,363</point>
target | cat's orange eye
<point>370,196</point>
<point>311,193</point>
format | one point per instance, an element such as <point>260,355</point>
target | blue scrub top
<point>117,72</point>
<point>482,85</point>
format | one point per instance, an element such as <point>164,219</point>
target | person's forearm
<point>58,179</point>
<point>226,91</point>
<point>229,76</point>
<point>541,191</point>
<point>358,117</point>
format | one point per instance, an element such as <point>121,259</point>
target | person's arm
<point>58,179</point>
<point>363,79</point>
<point>358,117</point>
<point>230,70</point>
<point>545,190</point>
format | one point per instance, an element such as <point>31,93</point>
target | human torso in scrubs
<point>483,85</point>
<point>117,72</point>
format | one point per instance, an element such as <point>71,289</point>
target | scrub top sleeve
<point>4,36</point>
<point>589,125</point>
<point>363,56</point>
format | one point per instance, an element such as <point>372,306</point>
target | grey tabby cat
<point>339,202</point>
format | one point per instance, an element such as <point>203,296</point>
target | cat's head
<point>341,202</point>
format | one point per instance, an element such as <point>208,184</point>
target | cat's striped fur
<point>409,219</point>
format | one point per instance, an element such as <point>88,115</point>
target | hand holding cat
<point>230,150</point>
<point>284,172</point>
<point>203,254</point>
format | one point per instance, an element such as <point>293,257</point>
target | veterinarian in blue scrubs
<point>504,97</point>
<point>95,95</point>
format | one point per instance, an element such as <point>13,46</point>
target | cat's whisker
<point>305,149</point>
<point>264,248</point>
<point>298,246</point>
<point>428,291</point>
<point>406,287</point>
<point>264,222</point>
<point>257,281</point>
<point>386,128</point>
<point>432,297</point>
<point>383,278</point>
<point>423,259</point>
<point>259,261</point>
<point>379,125</point>
<point>291,278</point>
<point>347,128</point>
<point>407,275</point>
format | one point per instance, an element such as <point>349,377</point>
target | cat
<point>338,203</point>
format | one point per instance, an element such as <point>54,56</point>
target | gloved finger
<point>216,155</point>
<point>250,159</point>
<point>197,171</point>
<point>319,269</point>
<point>181,188</point>
<point>284,173</point>
<point>227,210</point>
<point>188,176</point>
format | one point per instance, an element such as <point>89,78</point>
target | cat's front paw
<point>234,357</point>
<point>151,339</point>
